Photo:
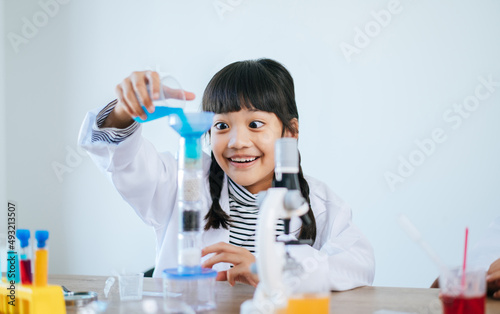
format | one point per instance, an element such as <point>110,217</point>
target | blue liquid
<point>191,126</point>
<point>187,125</point>
<point>160,112</point>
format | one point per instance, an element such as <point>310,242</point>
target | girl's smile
<point>242,161</point>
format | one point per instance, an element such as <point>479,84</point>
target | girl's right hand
<point>239,257</point>
<point>131,92</point>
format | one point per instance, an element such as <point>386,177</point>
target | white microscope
<point>282,202</point>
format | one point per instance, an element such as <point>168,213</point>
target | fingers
<point>493,276</point>
<point>242,274</point>
<point>153,78</point>
<point>494,286</point>
<point>493,280</point>
<point>227,275</point>
<point>220,247</point>
<point>234,274</point>
<point>496,295</point>
<point>221,276</point>
<point>189,95</point>
<point>129,96</point>
<point>177,93</point>
<point>494,267</point>
<point>496,264</point>
<point>122,104</point>
<point>141,93</point>
<point>133,91</point>
<point>238,273</point>
<point>240,258</point>
<point>230,258</point>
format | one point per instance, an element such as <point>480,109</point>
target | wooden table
<point>360,300</point>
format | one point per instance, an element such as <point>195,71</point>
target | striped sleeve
<point>110,135</point>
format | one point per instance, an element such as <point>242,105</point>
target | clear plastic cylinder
<point>189,293</point>
<point>190,176</point>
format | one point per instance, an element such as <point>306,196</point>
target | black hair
<point>262,84</point>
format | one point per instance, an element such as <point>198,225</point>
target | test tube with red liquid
<point>25,257</point>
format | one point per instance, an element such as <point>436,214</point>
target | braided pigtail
<point>306,231</point>
<point>216,216</point>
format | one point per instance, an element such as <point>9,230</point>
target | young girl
<point>254,104</point>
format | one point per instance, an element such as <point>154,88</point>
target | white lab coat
<point>147,180</point>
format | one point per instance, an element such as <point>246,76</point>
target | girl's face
<point>243,145</point>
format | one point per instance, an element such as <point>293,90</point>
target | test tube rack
<point>32,300</point>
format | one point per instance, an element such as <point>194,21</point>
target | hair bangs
<point>245,84</point>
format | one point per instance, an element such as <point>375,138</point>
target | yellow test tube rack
<point>30,299</point>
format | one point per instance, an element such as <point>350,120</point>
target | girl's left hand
<point>241,259</point>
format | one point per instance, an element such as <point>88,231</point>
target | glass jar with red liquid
<point>463,293</point>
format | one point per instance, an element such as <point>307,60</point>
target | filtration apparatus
<point>190,285</point>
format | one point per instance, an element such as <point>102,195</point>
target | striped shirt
<point>110,135</point>
<point>243,210</point>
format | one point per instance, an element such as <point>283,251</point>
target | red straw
<point>465,258</point>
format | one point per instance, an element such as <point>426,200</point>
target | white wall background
<point>356,118</point>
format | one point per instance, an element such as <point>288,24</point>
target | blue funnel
<point>191,126</point>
